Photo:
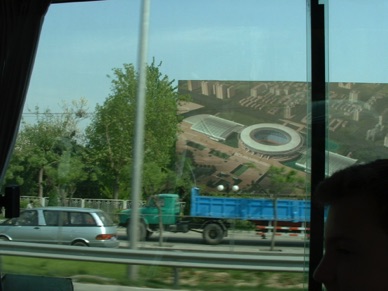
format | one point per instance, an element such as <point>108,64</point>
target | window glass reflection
<point>238,132</point>
<point>358,98</point>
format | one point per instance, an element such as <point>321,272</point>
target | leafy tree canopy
<point>47,151</point>
<point>112,130</point>
<point>283,182</point>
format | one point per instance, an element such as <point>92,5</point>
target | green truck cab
<point>169,210</point>
<point>165,211</point>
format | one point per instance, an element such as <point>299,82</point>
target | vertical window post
<point>318,133</point>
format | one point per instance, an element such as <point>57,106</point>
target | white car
<point>62,225</point>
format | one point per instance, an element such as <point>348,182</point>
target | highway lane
<point>237,241</point>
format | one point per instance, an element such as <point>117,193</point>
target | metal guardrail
<point>176,259</point>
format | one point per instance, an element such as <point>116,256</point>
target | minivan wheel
<point>80,244</point>
<point>4,238</point>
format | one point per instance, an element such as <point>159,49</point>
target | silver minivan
<point>62,225</point>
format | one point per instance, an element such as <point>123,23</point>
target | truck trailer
<point>213,216</point>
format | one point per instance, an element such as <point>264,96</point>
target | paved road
<point>237,241</point>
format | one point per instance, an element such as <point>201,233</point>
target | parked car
<point>62,225</point>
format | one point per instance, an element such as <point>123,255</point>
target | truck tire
<point>141,230</point>
<point>148,234</point>
<point>213,234</point>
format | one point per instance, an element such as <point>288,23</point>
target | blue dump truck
<point>213,216</point>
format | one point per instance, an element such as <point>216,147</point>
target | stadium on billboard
<point>272,140</point>
<point>268,140</point>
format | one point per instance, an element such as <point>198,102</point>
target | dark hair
<point>369,180</point>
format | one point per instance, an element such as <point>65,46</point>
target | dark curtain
<point>20,26</point>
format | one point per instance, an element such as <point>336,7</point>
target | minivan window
<point>55,218</point>
<point>26,218</point>
<point>105,219</point>
<point>51,217</point>
<point>81,219</point>
<point>30,218</point>
<point>68,218</point>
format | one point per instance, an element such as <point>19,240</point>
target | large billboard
<point>233,131</point>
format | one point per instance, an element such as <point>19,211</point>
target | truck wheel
<point>141,230</point>
<point>213,234</point>
<point>149,234</point>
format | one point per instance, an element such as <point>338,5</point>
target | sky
<point>250,40</point>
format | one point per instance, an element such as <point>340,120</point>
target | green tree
<point>16,168</point>
<point>48,150</point>
<point>281,182</point>
<point>67,172</point>
<point>111,132</point>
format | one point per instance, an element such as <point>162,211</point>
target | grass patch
<point>195,145</point>
<point>220,154</point>
<point>154,276</point>
<point>239,170</point>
